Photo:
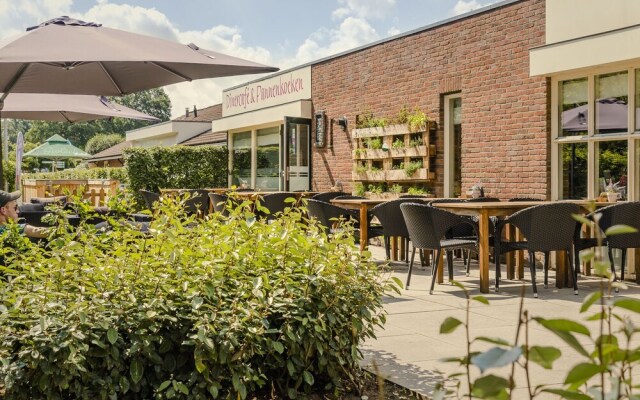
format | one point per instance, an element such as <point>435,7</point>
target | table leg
<point>364,227</point>
<point>440,262</point>
<point>562,278</point>
<point>483,258</point>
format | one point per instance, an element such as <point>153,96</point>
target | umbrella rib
<point>176,73</point>
<point>13,81</point>
<point>65,117</point>
<point>106,71</point>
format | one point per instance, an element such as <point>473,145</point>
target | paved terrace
<point>409,349</point>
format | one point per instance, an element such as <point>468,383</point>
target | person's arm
<point>36,232</point>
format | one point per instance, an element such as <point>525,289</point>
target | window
<point>268,159</point>
<point>241,159</point>
<point>593,151</point>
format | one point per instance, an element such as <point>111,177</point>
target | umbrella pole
<point>3,184</point>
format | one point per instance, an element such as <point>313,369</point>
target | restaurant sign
<point>275,90</point>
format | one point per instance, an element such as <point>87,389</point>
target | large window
<point>268,159</point>
<point>241,159</point>
<point>593,151</point>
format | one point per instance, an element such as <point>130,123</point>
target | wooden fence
<point>98,191</point>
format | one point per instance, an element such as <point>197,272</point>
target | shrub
<point>194,309</point>
<point>182,167</point>
<point>102,142</point>
<point>82,173</point>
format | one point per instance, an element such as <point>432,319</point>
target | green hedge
<point>183,167</point>
<point>197,309</point>
<point>81,173</point>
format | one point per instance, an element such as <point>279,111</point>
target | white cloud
<point>365,8</point>
<point>351,33</point>
<point>463,6</point>
<point>393,31</point>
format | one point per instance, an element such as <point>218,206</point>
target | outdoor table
<point>484,210</point>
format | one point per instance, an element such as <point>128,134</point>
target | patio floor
<point>408,351</point>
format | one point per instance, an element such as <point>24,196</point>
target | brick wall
<point>485,57</point>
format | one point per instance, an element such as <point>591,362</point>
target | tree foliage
<point>102,142</point>
<point>153,102</point>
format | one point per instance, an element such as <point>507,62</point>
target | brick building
<point>530,98</point>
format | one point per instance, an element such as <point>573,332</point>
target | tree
<point>102,142</point>
<point>153,102</point>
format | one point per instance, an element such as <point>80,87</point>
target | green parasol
<point>56,148</point>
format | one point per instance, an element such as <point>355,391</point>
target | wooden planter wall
<point>386,159</point>
<point>98,191</point>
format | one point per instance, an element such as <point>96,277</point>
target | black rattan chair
<point>525,199</point>
<point>276,203</point>
<point>149,198</point>
<point>616,214</point>
<point>219,203</point>
<point>327,196</point>
<point>330,215</point>
<point>428,227</point>
<point>197,203</point>
<point>482,199</point>
<point>392,221</point>
<point>546,227</point>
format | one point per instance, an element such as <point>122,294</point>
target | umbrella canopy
<point>69,56</point>
<point>66,107</point>
<point>57,147</point>
<point>611,115</point>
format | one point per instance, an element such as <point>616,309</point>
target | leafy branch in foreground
<point>609,357</point>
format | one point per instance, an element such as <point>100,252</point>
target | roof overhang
<point>619,46</point>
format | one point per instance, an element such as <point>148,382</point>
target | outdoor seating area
<point>452,208</point>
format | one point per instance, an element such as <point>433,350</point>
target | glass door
<point>296,172</point>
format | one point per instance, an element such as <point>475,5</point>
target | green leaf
<point>581,219</point>
<point>196,302</point>
<point>112,335</point>
<point>279,347</point>
<point>449,325</point>
<point>544,355</point>
<point>308,378</point>
<point>164,385</point>
<point>589,300</point>
<point>496,357</point>
<point>628,304</point>
<point>581,373</point>
<point>619,230</point>
<point>124,384</point>
<point>181,387</point>
<point>572,341</point>
<point>567,394</point>
<point>498,341</point>
<point>481,299</point>
<point>136,370</point>
<point>490,387</point>
<point>563,325</point>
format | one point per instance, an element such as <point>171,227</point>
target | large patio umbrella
<point>57,148</point>
<point>611,115</point>
<point>66,107</point>
<point>69,56</point>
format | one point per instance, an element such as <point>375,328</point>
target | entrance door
<point>296,173</point>
<point>452,145</point>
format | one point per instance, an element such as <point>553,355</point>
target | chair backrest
<point>621,214</point>
<point>328,214</point>
<point>327,196</point>
<point>525,199</point>
<point>219,202</point>
<point>547,227</point>
<point>276,203</point>
<point>482,199</point>
<point>390,216</point>
<point>427,225</point>
<point>197,203</point>
<point>149,198</point>
<point>452,200</point>
<point>347,197</point>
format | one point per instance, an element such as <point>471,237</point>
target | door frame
<point>449,144</point>
<point>284,181</point>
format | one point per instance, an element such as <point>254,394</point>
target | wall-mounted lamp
<point>342,121</point>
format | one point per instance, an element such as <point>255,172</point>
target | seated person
<point>9,214</point>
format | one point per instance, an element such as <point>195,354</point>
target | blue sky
<point>282,33</point>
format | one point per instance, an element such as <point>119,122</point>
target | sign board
<point>275,90</point>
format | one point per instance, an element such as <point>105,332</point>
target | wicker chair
<point>276,203</point>
<point>525,199</point>
<point>482,199</point>
<point>327,196</point>
<point>393,225</point>
<point>427,227</point>
<point>219,203</point>
<point>329,216</point>
<point>546,227</point>
<point>197,203</point>
<point>149,198</point>
<point>616,214</point>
